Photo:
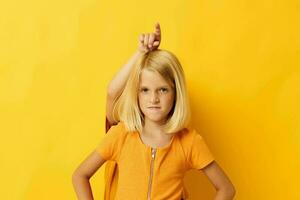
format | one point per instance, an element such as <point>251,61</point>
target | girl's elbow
<point>75,176</point>
<point>231,192</point>
<point>228,191</point>
<point>111,91</point>
<point>78,176</point>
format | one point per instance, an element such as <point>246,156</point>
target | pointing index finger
<point>157,30</point>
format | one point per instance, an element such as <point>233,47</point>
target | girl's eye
<point>163,89</point>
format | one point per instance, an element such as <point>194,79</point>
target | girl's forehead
<point>150,77</point>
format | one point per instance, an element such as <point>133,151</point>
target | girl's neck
<point>153,129</point>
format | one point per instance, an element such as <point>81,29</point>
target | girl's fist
<point>150,41</point>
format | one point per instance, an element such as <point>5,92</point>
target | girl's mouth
<point>154,108</point>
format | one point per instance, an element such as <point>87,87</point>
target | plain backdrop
<point>241,60</point>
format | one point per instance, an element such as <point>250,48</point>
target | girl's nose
<point>154,98</point>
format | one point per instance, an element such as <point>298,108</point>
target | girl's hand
<point>150,41</point>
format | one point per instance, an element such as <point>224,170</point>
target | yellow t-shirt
<point>158,173</point>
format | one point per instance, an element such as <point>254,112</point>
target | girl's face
<point>155,96</point>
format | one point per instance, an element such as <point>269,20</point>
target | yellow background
<point>241,60</point>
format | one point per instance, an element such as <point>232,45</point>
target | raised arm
<point>147,42</point>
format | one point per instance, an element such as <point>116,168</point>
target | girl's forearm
<point>223,194</point>
<point>82,188</point>
<point>116,86</point>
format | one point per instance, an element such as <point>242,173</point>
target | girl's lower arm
<point>116,85</point>
<point>82,188</point>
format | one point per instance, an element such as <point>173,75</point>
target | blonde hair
<point>127,108</point>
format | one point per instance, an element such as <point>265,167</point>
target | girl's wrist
<point>142,49</point>
<point>138,51</point>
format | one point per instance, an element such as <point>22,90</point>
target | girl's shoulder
<point>116,129</point>
<point>189,137</point>
<point>188,133</point>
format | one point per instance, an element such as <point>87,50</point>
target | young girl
<point>150,141</point>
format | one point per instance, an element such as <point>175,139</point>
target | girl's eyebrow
<point>164,86</point>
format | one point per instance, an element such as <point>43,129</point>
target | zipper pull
<point>152,152</point>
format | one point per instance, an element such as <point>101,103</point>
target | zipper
<point>153,153</point>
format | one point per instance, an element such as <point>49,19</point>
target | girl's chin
<point>155,119</point>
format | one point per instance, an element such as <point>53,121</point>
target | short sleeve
<point>110,146</point>
<point>199,154</point>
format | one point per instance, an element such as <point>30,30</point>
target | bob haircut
<point>127,108</point>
